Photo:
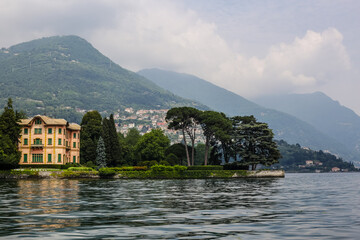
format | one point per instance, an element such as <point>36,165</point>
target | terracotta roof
<point>47,120</point>
<point>74,126</point>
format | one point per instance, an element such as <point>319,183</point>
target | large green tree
<point>253,141</point>
<point>101,160</point>
<point>185,119</point>
<point>111,140</point>
<point>216,126</point>
<point>90,132</point>
<point>9,137</point>
<point>152,145</point>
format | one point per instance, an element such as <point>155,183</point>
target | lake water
<point>299,206</point>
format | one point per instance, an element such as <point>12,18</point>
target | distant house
<point>47,140</point>
<point>335,169</point>
<point>309,162</point>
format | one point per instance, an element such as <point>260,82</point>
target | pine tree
<point>9,137</point>
<point>90,133</point>
<point>100,160</point>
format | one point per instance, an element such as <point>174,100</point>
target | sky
<point>253,48</point>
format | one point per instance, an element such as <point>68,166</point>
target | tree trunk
<point>186,148</point>
<point>193,149</point>
<point>207,144</point>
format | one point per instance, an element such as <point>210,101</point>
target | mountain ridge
<point>285,126</point>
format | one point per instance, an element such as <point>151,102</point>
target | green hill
<point>56,75</point>
<point>285,126</point>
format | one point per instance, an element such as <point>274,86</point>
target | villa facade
<point>47,140</point>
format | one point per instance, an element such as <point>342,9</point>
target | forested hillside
<point>56,75</point>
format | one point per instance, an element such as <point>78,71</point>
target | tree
<point>178,149</point>
<point>152,145</point>
<point>216,126</point>
<point>90,132</point>
<point>111,140</point>
<point>254,142</point>
<point>100,154</point>
<point>9,137</point>
<point>185,119</point>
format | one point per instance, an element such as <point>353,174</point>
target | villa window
<point>49,141</point>
<point>37,158</point>
<point>37,141</point>
<point>25,141</point>
<point>74,135</point>
<point>26,131</point>
<point>59,130</point>
<point>74,144</point>
<point>25,158</point>
<point>74,159</point>
<point>59,141</point>
<point>37,121</point>
<point>49,130</point>
<point>59,158</point>
<point>49,158</point>
<point>38,131</point>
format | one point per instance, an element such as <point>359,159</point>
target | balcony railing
<point>37,145</point>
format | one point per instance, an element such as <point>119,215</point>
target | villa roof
<point>51,121</point>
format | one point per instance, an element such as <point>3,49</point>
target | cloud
<point>169,35</point>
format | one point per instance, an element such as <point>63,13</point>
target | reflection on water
<point>301,206</point>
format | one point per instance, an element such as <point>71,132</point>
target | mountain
<point>285,126</point>
<point>57,75</point>
<point>322,112</point>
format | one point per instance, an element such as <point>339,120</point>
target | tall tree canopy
<point>185,119</point>
<point>111,140</point>
<point>10,132</point>
<point>254,142</point>
<point>90,132</point>
<point>152,145</point>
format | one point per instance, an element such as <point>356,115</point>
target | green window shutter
<point>49,141</point>
<point>26,131</point>
<point>59,141</point>
<point>59,130</point>
<point>74,135</point>
<point>49,130</point>
<point>25,141</point>
<point>74,159</point>
<point>25,158</point>
<point>59,158</point>
<point>74,144</point>
<point>49,157</point>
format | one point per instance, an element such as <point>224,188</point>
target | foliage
<point>57,73</point>
<point>253,141</point>
<point>111,140</point>
<point>82,169</point>
<point>293,156</point>
<point>148,164</point>
<point>106,172</point>
<point>206,167</point>
<point>178,149</point>
<point>68,165</point>
<point>52,166</point>
<point>236,166</point>
<point>171,159</point>
<point>9,137</point>
<point>152,145</point>
<point>100,154</point>
<point>90,133</point>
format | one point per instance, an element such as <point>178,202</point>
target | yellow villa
<point>47,140</point>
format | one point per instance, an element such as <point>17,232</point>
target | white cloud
<point>166,34</point>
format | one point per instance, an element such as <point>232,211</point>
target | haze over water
<point>300,206</point>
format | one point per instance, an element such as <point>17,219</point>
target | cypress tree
<point>90,133</point>
<point>100,160</point>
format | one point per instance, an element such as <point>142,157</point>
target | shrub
<point>66,166</point>
<point>236,166</point>
<point>106,172</point>
<point>83,169</point>
<point>207,167</point>
<point>148,163</point>
<point>90,164</point>
<point>161,168</point>
<point>163,162</point>
<point>180,169</point>
<point>54,166</point>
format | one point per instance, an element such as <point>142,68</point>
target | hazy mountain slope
<point>55,75</point>
<point>322,112</point>
<point>285,126</point>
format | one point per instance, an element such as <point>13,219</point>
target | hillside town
<point>146,120</point>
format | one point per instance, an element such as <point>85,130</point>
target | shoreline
<point>189,174</point>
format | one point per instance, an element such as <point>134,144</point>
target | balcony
<point>37,145</point>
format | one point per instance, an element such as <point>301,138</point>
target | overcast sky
<point>253,48</point>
